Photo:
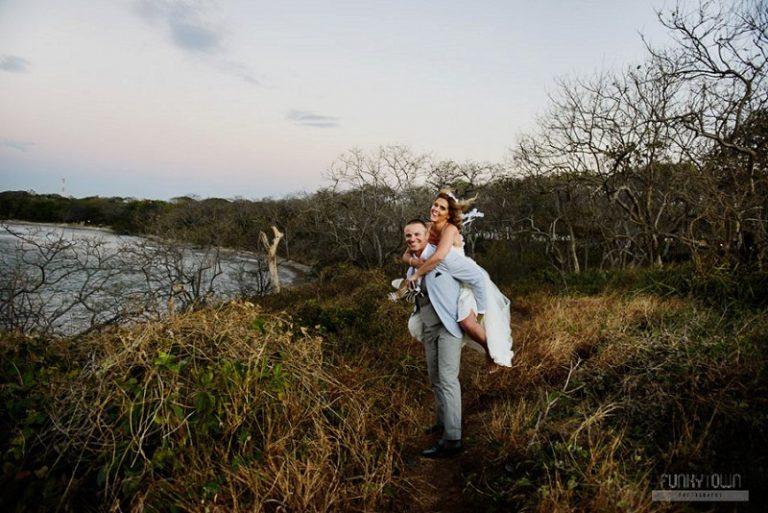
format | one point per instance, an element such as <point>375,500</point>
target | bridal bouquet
<point>404,290</point>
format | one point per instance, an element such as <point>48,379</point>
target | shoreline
<point>71,226</point>
<point>301,272</point>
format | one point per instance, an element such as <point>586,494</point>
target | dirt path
<point>440,483</point>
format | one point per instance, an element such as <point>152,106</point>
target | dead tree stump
<point>271,249</point>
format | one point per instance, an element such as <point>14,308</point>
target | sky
<point>247,98</point>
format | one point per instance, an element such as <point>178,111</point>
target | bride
<point>489,333</point>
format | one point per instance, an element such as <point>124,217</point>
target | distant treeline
<point>665,161</point>
<point>124,215</point>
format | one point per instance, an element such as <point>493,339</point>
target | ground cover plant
<point>313,400</point>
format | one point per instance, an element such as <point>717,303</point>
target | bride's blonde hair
<point>455,206</point>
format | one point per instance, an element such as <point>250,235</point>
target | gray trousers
<point>443,352</point>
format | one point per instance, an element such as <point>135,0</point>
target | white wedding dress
<point>496,320</point>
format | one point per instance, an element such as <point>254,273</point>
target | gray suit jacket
<point>443,285</point>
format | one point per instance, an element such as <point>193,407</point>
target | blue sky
<point>162,98</point>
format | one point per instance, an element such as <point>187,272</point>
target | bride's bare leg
<point>476,332</point>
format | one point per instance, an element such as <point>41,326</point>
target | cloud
<point>16,145</point>
<point>187,24</point>
<point>236,69</point>
<point>190,27</point>
<point>13,64</point>
<point>304,118</point>
<point>192,37</point>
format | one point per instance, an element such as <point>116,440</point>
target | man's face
<point>415,237</point>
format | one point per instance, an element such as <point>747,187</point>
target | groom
<point>441,335</point>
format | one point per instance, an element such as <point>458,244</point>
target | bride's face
<point>439,211</point>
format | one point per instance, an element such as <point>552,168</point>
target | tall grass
<point>228,409</point>
<point>610,392</point>
<point>312,401</point>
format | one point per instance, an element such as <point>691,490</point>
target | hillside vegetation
<point>246,407</point>
<point>628,227</point>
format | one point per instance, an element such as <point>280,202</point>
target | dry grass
<point>224,409</point>
<point>247,408</point>
<point>608,392</point>
<point>563,329</point>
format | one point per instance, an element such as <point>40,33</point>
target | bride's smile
<point>439,211</point>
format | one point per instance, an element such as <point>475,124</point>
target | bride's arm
<point>411,260</point>
<point>443,247</point>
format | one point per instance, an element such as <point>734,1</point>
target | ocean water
<point>66,279</point>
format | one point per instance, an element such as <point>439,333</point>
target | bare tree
<point>51,283</point>
<point>57,284</point>
<point>611,157</point>
<point>271,249</point>
<point>666,153</point>
<point>372,195</point>
<point>720,59</point>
